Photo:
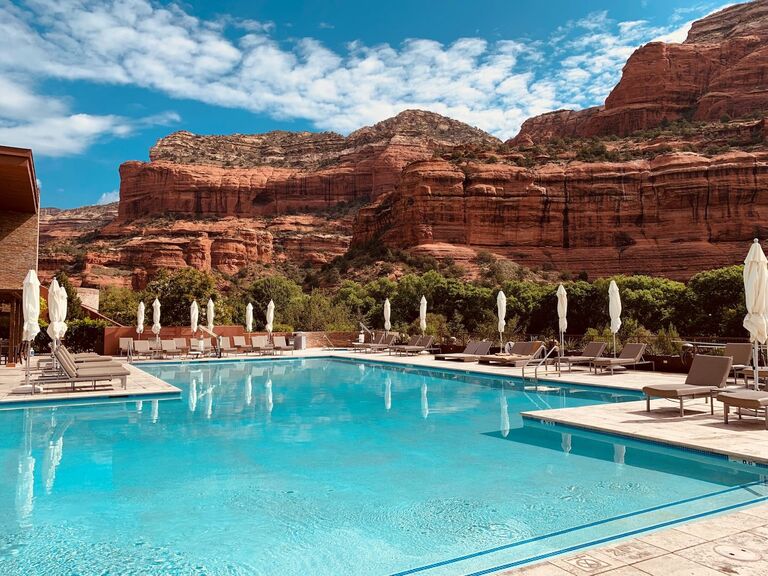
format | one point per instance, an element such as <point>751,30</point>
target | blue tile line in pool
<point>597,541</point>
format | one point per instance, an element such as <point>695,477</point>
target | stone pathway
<point>733,544</point>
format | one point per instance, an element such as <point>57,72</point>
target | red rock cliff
<point>674,215</point>
<point>720,70</point>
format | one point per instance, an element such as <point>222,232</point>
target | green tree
<point>176,291</point>
<point>279,289</point>
<point>119,304</point>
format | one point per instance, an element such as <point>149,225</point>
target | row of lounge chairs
<point>181,347</point>
<point>385,343</point>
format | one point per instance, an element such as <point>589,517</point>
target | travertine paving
<point>733,544</point>
<point>139,383</point>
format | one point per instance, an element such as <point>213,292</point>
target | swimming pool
<point>328,467</point>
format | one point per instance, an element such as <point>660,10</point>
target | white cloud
<point>239,64</point>
<point>45,124</point>
<point>109,197</point>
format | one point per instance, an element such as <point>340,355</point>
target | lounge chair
<point>169,349</point>
<point>261,345</point>
<point>592,351</point>
<point>707,375</point>
<point>279,344</point>
<point>520,354</point>
<point>423,344</point>
<point>74,374</point>
<point>741,352</point>
<point>239,343</point>
<point>630,355</point>
<point>755,400</point>
<point>364,346</point>
<point>181,345</point>
<point>225,346</point>
<point>412,341</point>
<point>124,346</point>
<point>384,345</point>
<point>472,353</point>
<point>141,348</point>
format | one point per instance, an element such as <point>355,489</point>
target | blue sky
<point>88,85</point>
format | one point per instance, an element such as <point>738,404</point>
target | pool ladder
<point>542,363</point>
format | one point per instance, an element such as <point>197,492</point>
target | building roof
<point>18,183</point>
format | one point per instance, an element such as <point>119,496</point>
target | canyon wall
<point>673,215</point>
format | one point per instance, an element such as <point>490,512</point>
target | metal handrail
<point>542,362</point>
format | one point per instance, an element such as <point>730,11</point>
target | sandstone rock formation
<point>720,70</point>
<point>673,215</point>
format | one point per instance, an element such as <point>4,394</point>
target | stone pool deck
<point>139,383</point>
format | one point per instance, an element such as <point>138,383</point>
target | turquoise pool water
<point>331,467</point>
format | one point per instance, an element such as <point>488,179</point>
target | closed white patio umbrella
<point>562,314</point>
<point>194,316</point>
<point>249,318</point>
<point>31,312</point>
<point>756,300</point>
<point>140,319</point>
<point>156,318</point>
<point>210,314</point>
<point>270,317</point>
<point>501,310</point>
<point>423,314</point>
<point>387,315</point>
<point>614,310</point>
<point>52,313</point>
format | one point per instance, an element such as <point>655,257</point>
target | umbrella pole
<point>755,354</point>
<point>562,343</point>
<point>614,344</point>
<point>501,342</point>
<point>26,379</point>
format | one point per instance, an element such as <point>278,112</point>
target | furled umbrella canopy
<point>423,314</point>
<point>140,319</point>
<point>31,310</point>
<point>61,305</point>
<point>156,317</point>
<point>53,313</point>
<point>194,316</point>
<point>501,310</point>
<point>270,316</point>
<point>210,314</point>
<point>614,310</point>
<point>31,306</point>
<point>756,298</point>
<point>562,313</point>
<point>249,318</point>
<point>387,315</point>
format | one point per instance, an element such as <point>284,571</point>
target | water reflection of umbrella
<point>25,481</point>
<point>139,406</point>
<point>268,388</point>
<point>51,461</point>
<point>209,401</point>
<point>424,401</point>
<point>155,412</point>
<point>388,393</point>
<point>248,390</point>
<point>565,442</point>
<point>192,398</point>
<point>504,414</point>
<point>619,453</point>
